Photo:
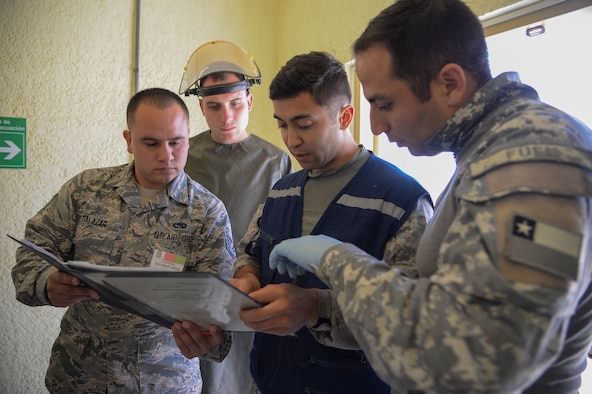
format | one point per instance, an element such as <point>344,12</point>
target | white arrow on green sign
<point>12,150</point>
<point>13,142</point>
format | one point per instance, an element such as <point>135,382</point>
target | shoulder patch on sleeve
<point>545,247</point>
<point>533,152</point>
<point>541,177</point>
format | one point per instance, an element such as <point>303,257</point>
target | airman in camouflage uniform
<point>504,301</point>
<point>102,216</point>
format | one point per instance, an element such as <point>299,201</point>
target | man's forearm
<point>250,274</point>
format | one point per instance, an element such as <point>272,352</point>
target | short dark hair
<point>317,73</point>
<point>422,36</point>
<point>158,97</point>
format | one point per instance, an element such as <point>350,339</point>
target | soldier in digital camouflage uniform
<point>504,302</point>
<point>121,216</point>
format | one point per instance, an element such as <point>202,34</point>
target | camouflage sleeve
<point>242,260</point>
<point>252,234</point>
<point>51,229</point>
<point>219,353</point>
<point>399,253</point>
<point>482,322</point>
<point>216,252</point>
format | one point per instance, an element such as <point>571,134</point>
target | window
<point>554,62</point>
<point>553,55</point>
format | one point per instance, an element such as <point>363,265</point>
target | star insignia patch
<point>544,246</point>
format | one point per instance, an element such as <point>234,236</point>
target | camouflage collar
<point>176,190</point>
<point>459,129</point>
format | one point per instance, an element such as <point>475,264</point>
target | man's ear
<point>201,106</point>
<point>346,116</point>
<point>453,82</point>
<point>128,138</point>
<point>250,101</point>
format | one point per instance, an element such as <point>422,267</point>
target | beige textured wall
<point>64,67</point>
<point>67,67</point>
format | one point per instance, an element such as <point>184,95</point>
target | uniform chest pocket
<point>95,236</point>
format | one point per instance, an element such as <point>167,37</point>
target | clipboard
<point>160,296</point>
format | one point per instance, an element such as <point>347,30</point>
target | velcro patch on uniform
<point>533,152</point>
<point>545,247</point>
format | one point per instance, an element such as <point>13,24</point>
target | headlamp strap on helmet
<point>219,89</point>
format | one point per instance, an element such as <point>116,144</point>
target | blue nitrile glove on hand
<point>298,255</point>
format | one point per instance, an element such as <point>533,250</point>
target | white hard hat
<point>218,56</point>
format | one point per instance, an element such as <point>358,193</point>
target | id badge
<point>168,261</point>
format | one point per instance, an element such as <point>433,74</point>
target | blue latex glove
<point>298,255</point>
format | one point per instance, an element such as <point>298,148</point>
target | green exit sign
<point>13,142</point>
